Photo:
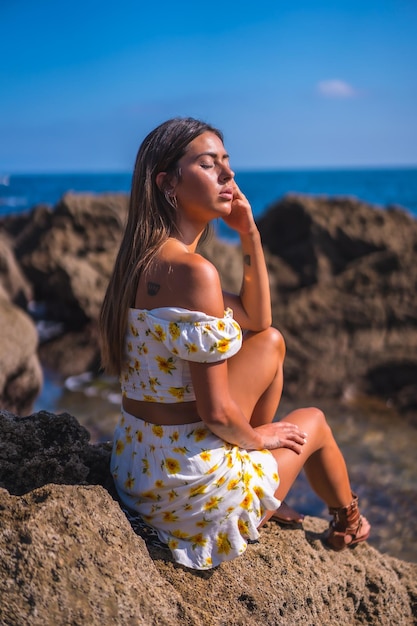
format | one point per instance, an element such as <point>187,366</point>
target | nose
<point>227,173</point>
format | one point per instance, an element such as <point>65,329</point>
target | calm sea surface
<point>378,445</point>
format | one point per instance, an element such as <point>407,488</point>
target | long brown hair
<point>151,220</point>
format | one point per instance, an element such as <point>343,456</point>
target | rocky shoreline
<point>343,285</point>
<point>68,554</point>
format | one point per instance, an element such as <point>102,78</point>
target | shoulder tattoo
<point>153,288</point>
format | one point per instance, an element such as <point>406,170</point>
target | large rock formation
<point>68,554</point>
<point>343,281</point>
<point>344,285</point>
<point>20,370</point>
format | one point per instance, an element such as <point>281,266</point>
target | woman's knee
<point>274,342</point>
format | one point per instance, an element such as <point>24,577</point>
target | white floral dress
<point>204,496</point>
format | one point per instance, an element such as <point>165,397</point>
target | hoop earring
<point>171,199</point>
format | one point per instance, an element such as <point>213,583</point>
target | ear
<point>165,182</point>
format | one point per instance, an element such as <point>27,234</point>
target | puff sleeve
<point>195,336</point>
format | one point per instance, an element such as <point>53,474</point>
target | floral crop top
<point>159,344</point>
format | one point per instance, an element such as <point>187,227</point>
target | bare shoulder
<point>199,283</point>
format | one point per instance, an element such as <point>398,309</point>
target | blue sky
<point>294,84</point>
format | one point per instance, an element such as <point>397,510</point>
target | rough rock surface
<point>344,283</point>
<point>68,554</point>
<point>20,370</point>
<point>343,279</point>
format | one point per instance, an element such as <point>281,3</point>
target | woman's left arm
<point>252,307</point>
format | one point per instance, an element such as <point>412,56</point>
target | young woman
<point>196,451</point>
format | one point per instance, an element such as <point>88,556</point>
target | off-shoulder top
<point>160,343</point>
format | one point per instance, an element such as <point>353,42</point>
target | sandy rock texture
<point>68,554</point>
<point>343,284</point>
<point>20,370</point>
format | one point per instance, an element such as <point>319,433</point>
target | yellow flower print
<point>174,437</point>
<point>223,543</point>
<point>223,345</point>
<point>191,348</point>
<point>237,327</point>
<point>172,495</point>
<point>173,544</point>
<point>145,467</point>
<point>174,330</point>
<point>243,527</point>
<point>213,503</point>
<point>166,365</point>
<point>129,346</point>
<point>150,495</point>
<point>200,434</point>
<point>159,484</point>
<point>205,455</point>
<point>213,469</point>
<point>203,523</point>
<point>208,562</point>
<point>158,333</point>
<point>247,479</point>
<point>129,482</point>
<point>148,398</point>
<point>275,477</point>
<point>220,481</point>
<point>259,491</point>
<point>188,507</point>
<point>120,446</point>
<point>233,484</point>
<point>180,534</point>
<point>178,392</point>
<point>169,517</point>
<point>158,431</point>
<point>229,460</point>
<point>221,325</point>
<point>180,450</point>
<point>134,330</point>
<point>259,469</point>
<point>174,351</point>
<point>141,317</point>
<point>153,382</point>
<point>139,436</point>
<point>247,501</point>
<point>142,348</point>
<point>172,465</point>
<point>136,365</point>
<point>122,421</point>
<point>198,540</point>
<point>197,491</point>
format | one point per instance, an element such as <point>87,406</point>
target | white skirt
<point>204,497</point>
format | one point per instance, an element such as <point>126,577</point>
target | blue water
<point>382,187</point>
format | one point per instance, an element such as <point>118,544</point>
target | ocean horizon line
<point>239,170</point>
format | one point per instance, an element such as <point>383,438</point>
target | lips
<point>227,193</point>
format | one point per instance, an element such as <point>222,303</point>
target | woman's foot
<point>287,515</point>
<point>348,527</point>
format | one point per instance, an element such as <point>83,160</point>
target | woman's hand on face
<point>240,218</point>
<point>282,435</point>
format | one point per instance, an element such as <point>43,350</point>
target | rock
<point>68,554</point>
<point>20,372</point>
<point>349,301</point>
<point>12,280</point>
<point>343,288</point>
<point>68,253</point>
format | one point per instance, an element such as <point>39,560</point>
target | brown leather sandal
<point>346,522</point>
<point>287,515</point>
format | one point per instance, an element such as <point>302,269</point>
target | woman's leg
<point>256,375</point>
<point>322,460</point>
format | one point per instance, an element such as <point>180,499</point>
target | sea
<point>379,449</point>
<point>379,186</point>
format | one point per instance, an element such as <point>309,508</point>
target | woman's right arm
<point>201,291</point>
